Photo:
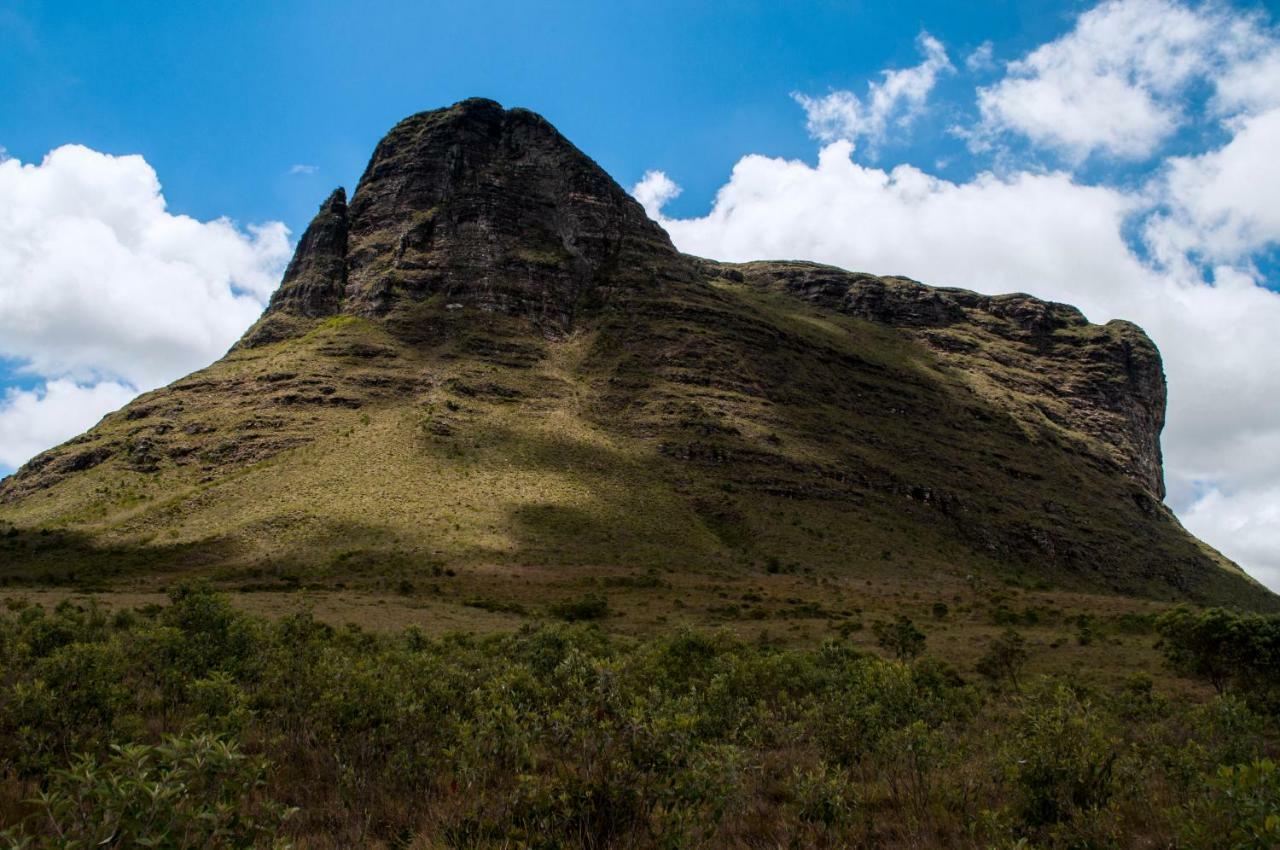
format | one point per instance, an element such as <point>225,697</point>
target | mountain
<point>490,356</point>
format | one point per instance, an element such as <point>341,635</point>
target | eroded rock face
<point>482,207</point>
<point>1104,381</point>
<point>314,283</point>
<point>476,206</point>
<point>493,322</point>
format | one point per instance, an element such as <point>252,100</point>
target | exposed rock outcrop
<point>480,206</point>
<point>316,278</point>
<point>1104,381</point>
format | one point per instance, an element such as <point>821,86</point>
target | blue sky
<point>224,98</point>
<point>158,158</point>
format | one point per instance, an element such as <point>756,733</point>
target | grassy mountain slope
<point>497,363</point>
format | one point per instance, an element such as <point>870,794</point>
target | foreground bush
<point>188,792</point>
<point>562,735</point>
<point>1240,809</point>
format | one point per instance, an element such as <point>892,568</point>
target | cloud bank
<point>1175,248</point>
<point>104,293</point>
<point>33,420</point>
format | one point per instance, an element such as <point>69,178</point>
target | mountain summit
<point>486,207</point>
<point>491,357</point>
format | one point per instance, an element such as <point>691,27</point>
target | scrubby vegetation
<point>1232,652</point>
<point>194,725</point>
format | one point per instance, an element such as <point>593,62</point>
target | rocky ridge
<point>1049,362</point>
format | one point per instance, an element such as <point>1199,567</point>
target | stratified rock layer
<point>1045,359</point>
<point>478,206</point>
<point>316,278</point>
<point>492,357</point>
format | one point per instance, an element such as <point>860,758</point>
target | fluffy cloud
<point>654,190</point>
<point>895,99</point>
<point>981,59</point>
<point>1245,525</point>
<point>998,234</point>
<point>1223,203</point>
<point>1114,84</point>
<point>1249,84</point>
<point>31,421</point>
<point>102,290</point>
<point>97,278</point>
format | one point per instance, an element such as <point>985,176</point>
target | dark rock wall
<point>1105,381</point>
<point>317,275</point>
<point>493,209</point>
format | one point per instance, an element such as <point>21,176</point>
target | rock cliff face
<point>1045,360</point>
<point>490,356</point>
<point>478,206</point>
<point>316,279</point>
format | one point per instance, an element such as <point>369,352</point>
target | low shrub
<point>1239,809</point>
<point>585,608</point>
<point>564,735</point>
<point>188,792</point>
<point>901,637</point>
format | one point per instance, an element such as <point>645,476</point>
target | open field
<point>789,610</point>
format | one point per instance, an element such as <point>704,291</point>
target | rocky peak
<point>475,205</point>
<point>316,277</point>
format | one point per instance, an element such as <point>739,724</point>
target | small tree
<point>901,637</point>
<point>586,608</point>
<point>1005,658</point>
<point>1061,756</point>
<point>1226,649</point>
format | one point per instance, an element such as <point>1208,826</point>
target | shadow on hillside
<point>52,557</point>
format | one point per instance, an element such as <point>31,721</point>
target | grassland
<point>785,608</point>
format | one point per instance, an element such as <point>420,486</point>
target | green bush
<point>1005,657</point>
<point>1228,650</point>
<point>586,608</point>
<point>1239,809</point>
<point>901,637</point>
<point>564,735</point>
<point>189,792</point>
<point>1062,759</point>
<point>825,795</point>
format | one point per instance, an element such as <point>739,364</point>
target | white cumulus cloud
<point>1115,83</point>
<point>896,99</point>
<point>981,59</point>
<point>1245,524</point>
<point>102,287</point>
<point>1223,203</point>
<point>654,190</point>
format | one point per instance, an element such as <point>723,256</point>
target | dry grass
<point>793,610</point>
